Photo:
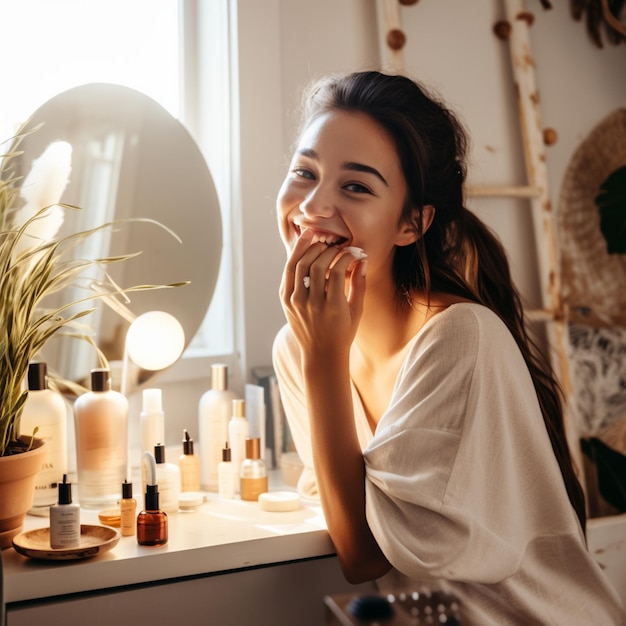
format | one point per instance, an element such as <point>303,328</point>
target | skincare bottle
<point>227,476</point>
<point>168,479</point>
<point>151,419</point>
<point>101,423</point>
<point>46,410</point>
<point>237,433</point>
<point>256,413</point>
<point>214,411</point>
<point>64,519</point>
<point>253,471</point>
<point>128,510</point>
<point>152,521</point>
<point>189,465</point>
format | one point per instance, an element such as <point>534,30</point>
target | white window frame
<point>208,108</point>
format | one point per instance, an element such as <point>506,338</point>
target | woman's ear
<point>428,215</point>
<point>407,233</point>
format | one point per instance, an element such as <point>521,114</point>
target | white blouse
<point>462,484</point>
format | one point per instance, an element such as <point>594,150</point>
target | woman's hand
<point>323,316</point>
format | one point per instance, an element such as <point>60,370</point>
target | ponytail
<point>487,275</point>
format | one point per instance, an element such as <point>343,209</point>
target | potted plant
<point>35,264</point>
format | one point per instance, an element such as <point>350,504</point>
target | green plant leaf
<point>611,202</point>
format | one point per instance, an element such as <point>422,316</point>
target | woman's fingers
<point>314,269</point>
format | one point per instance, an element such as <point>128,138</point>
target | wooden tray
<point>93,540</point>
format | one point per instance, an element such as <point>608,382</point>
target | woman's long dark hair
<point>458,254</point>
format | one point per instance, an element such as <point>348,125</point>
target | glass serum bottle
<point>152,526</point>
<point>253,471</point>
<point>228,478</point>
<point>45,409</point>
<point>214,411</point>
<point>128,510</point>
<point>101,423</point>
<point>189,465</point>
<point>64,519</point>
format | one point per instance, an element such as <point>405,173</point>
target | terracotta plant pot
<point>17,489</point>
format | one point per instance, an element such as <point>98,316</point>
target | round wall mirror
<point>131,159</point>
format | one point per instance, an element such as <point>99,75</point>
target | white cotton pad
<point>279,501</point>
<point>357,253</point>
<point>188,500</point>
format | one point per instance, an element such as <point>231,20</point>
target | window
<point>152,46</point>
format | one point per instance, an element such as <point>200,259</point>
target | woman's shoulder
<point>468,316</point>
<point>465,327</point>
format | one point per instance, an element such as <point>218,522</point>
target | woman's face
<point>346,184</point>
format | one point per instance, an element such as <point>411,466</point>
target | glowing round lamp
<point>155,340</point>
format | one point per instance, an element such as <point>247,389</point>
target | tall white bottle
<point>101,423</point>
<point>238,432</point>
<point>214,411</point>
<point>151,420</point>
<point>46,410</point>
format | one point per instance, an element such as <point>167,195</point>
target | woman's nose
<point>318,203</point>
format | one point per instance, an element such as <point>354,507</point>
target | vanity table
<point>226,563</point>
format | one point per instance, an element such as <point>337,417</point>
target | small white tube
<point>148,463</point>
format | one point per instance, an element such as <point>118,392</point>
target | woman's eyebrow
<point>368,169</point>
<point>348,165</point>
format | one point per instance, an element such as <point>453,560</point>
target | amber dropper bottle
<point>151,522</point>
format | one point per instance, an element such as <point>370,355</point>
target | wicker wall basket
<point>594,292</point>
<point>594,282</point>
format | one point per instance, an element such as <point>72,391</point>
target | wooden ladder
<point>536,191</point>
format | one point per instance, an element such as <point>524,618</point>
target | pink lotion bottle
<point>101,423</point>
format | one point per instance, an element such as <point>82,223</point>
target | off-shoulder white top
<point>462,485</point>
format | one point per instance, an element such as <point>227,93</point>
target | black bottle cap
<point>187,443</point>
<point>37,376</point>
<point>152,498</point>
<point>159,453</point>
<point>127,490</point>
<point>65,491</point>
<point>100,379</point>
<point>226,454</point>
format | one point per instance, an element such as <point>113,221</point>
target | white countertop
<point>219,536</point>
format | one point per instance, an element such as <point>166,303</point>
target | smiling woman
<point>430,427</point>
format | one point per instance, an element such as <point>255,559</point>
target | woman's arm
<point>340,468</point>
<point>324,322</point>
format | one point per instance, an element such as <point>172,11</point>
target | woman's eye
<point>357,188</point>
<point>302,172</point>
